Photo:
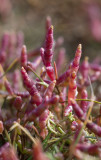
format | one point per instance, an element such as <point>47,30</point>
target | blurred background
<point>77,21</point>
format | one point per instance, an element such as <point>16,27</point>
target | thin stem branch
<point>10,67</point>
<point>16,124</point>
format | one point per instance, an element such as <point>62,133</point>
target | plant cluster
<point>47,113</point>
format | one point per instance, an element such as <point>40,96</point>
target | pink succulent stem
<point>72,87</point>
<point>90,125</point>
<point>79,112</point>
<point>24,57</point>
<point>50,72</point>
<point>8,87</point>
<point>47,53</point>
<point>31,116</point>
<point>72,90</point>
<point>84,104</point>
<point>42,123</point>
<point>24,94</point>
<point>89,148</point>
<point>76,61</point>
<point>43,118</point>
<point>94,128</point>
<point>37,99</point>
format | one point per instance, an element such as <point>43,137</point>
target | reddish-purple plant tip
<point>26,79</point>
<point>24,56</point>
<point>42,55</point>
<point>48,23</point>
<point>76,61</point>
<point>48,53</point>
